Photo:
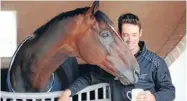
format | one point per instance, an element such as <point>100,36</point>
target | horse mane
<point>100,16</point>
<point>41,30</point>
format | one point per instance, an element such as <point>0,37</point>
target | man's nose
<point>129,39</point>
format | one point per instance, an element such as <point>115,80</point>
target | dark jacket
<point>154,76</point>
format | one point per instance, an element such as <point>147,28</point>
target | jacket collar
<point>142,50</point>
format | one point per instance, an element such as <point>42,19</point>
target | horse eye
<point>105,34</point>
<point>106,38</point>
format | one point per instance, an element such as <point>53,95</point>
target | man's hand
<point>145,96</point>
<point>65,96</point>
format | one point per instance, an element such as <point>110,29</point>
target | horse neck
<point>44,64</point>
<point>42,74</point>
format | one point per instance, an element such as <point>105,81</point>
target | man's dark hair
<point>128,18</point>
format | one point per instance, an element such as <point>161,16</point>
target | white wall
<point>178,72</point>
<point>8,33</point>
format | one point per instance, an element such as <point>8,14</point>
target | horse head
<point>87,33</point>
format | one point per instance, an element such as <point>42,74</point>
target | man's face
<point>131,35</point>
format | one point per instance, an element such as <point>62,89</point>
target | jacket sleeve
<point>164,86</point>
<point>84,81</point>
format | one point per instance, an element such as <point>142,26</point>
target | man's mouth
<point>130,45</point>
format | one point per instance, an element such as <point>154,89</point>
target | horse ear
<point>95,7</point>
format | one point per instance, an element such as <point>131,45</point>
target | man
<point>154,74</point>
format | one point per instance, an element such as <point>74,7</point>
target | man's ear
<point>141,32</point>
<point>119,34</point>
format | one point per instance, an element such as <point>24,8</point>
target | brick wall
<point>176,52</point>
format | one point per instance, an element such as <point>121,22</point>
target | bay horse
<point>87,33</point>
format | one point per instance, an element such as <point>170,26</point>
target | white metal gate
<point>53,96</point>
